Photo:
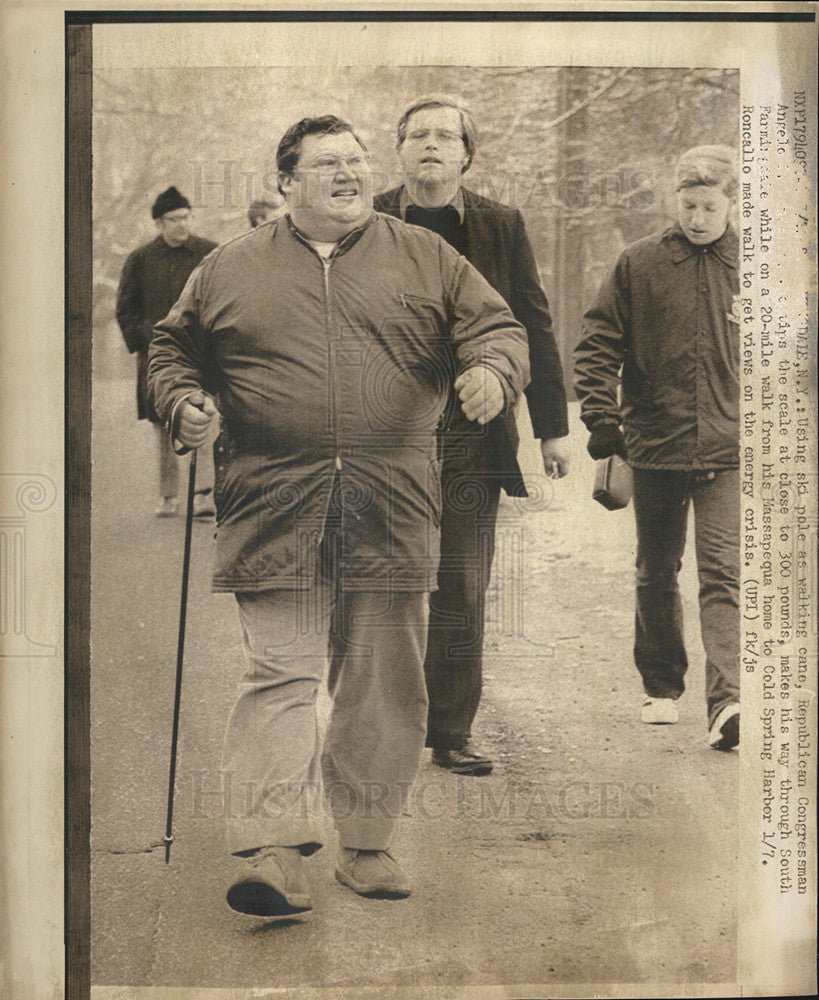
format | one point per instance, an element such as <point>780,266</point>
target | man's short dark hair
<point>287,154</point>
<point>469,132</point>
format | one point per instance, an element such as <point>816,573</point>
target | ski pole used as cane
<point>180,653</point>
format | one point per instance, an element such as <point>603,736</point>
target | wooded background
<point>587,154</point>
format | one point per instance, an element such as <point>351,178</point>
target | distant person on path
<point>328,342</point>
<point>152,280</point>
<point>436,139</point>
<point>668,318</point>
<point>266,210</point>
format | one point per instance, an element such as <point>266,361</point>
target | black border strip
<point>77,694</point>
<point>527,16</point>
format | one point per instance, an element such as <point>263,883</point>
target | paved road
<point>599,850</point>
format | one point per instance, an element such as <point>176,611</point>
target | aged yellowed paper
<point>595,860</point>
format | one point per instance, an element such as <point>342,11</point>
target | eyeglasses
<point>438,134</point>
<point>333,164</point>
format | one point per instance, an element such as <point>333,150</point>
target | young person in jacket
<point>328,341</point>
<point>436,139</point>
<point>667,317</point>
<point>151,280</point>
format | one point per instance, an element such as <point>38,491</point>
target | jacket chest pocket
<point>423,312</point>
<point>416,336</point>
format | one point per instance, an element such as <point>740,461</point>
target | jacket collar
<point>404,202</point>
<point>680,248</point>
<point>342,246</point>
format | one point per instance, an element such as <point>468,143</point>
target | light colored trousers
<point>372,747</point>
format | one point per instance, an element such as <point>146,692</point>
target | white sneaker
<point>659,712</point>
<point>724,734</point>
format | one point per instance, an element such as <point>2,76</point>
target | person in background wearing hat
<point>152,280</point>
<point>436,144</point>
<point>266,211</point>
<point>668,318</point>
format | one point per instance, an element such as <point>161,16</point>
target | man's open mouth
<point>347,192</point>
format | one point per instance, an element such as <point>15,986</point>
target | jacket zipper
<point>325,263</point>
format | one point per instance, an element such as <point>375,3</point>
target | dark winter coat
<point>668,316</point>
<point>317,365</point>
<point>152,280</point>
<point>496,243</point>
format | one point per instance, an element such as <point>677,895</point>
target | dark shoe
<point>270,883</point>
<point>724,734</point>
<point>372,873</point>
<point>203,505</point>
<point>467,760</point>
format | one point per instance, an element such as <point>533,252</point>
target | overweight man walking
<point>328,341</point>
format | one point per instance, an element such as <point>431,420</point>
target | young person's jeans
<point>661,505</point>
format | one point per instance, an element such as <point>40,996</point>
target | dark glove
<point>605,440</point>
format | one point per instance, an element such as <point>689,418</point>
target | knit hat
<point>714,166</point>
<point>169,201</point>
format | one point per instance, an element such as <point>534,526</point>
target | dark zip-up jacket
<point>668,315</point>
<point>331,371</point>
<point>152,279</point>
